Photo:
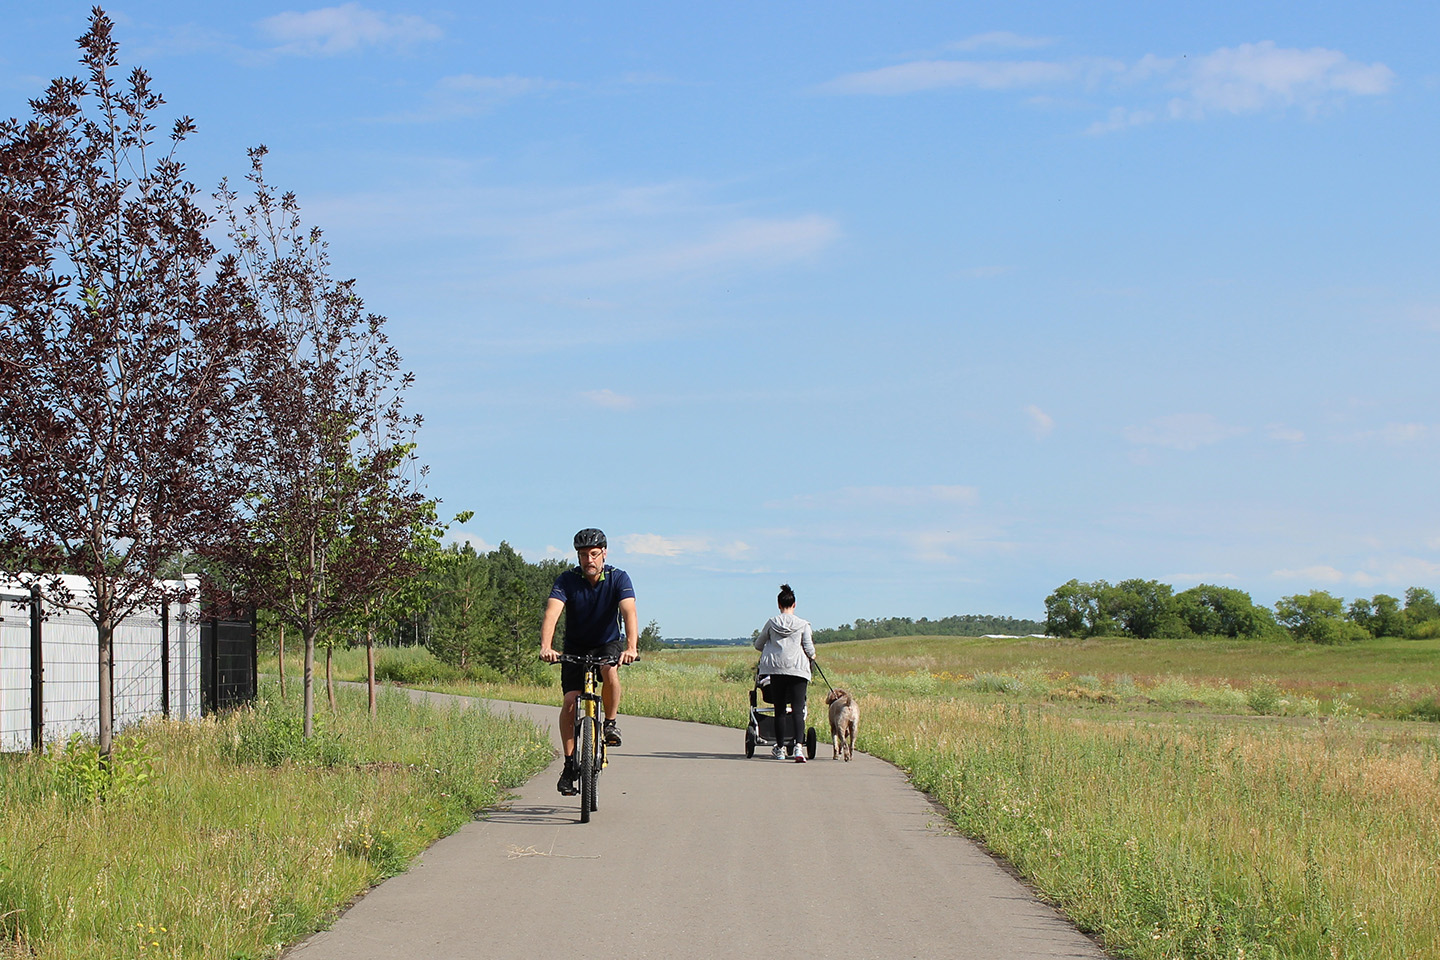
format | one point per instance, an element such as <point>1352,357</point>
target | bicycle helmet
<point>589,537</point>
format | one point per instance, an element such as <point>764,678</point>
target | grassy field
<point>229,838</point>
<point>1180,799</point>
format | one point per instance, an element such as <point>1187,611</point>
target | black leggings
<point>785,689</point>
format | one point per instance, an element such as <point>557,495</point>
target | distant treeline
<point>1149,608</point>
<point>967,625</point>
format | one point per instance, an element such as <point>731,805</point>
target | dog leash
<point>822,675</point>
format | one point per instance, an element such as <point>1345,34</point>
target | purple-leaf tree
<point>121,338</point>
<point>337,500</point>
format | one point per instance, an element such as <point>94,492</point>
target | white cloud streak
<point>609,399</point>
<point>1261,76</point>
<point>658,545</point>
<point>924,75</point>
<point>590,239</point>
<point>348,28</point>
<point>1247,78</point>
<point>1001,40</point>
<point>861,498</point>
<point>1182,431</point>
<point>1041,423</point>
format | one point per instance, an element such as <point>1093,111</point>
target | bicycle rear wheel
<point>586,755</point>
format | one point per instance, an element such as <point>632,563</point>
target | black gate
<point>228,663</point>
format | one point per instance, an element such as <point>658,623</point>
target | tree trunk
<point>330,676</point>
<point>370,665</point>
<point>105,631</point>
<point>282,661</point>
<point>309,682</point>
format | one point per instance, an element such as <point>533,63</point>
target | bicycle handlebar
<point>588,660</point>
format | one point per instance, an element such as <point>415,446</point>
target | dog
<point>844,723</point>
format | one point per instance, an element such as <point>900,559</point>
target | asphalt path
<point>697,852</point>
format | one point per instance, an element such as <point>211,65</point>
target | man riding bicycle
<point>594,596</point>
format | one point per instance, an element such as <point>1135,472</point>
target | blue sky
<point>924,308</point>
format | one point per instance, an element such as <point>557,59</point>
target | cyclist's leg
<point>567,722</point>
<point>610,677</point>
<point>610,692</point>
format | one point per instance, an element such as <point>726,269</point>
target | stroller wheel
<point>749,744</point>
<point>810,743</point>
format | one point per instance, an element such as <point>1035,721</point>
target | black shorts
<point>572,675</point>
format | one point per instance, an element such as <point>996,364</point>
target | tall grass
<point>229,838</point>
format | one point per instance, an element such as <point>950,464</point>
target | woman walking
<point>787,649</point>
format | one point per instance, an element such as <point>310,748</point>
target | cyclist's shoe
<point>568,776</point>
<point>612,734</point>
<point>779,752</point>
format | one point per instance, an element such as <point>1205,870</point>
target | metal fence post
<point>165,659</point>
<point>254,654</point>
<point>37,670</point>
<point>215,661</point>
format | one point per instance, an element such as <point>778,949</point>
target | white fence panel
<point>184,662</point>
<point>14,677</point>
<point>72,676</point>
<point>70,671</point>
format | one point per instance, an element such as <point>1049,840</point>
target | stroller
<point>762,720</point>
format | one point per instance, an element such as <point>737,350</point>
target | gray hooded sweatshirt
<point>785,646</point>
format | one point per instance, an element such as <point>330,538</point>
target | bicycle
<point>589,738</point>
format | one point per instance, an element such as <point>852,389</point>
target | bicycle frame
<point>590,753</point>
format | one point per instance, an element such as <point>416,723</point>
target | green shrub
<point>412,669</point>
<point>536,674</point>
<point>271,733</point>
<point>1264,696</point>
<point>480,673</point>
<point>739,671</point>
<point>79,776</point>
<point>995,683</point>
<point>1428,630</point>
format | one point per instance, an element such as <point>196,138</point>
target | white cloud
<point>1182,431</point>
<point>741,241</point>
<point>1246,78</point>
<point>479,543</point>
<point>860,498</point>
<point>1259,76</point>
<point>1121,118</point>
<point>1278,431</point>
<point>347,28</point>
<point>583,241</point>
<point>735,550</point>
<point>1395,572</point>
<point>1316,574</point>
<point>467,94</point>
<point>609,399</point>
<point>1402,433</point>
<point>658,545</point>
<point>1399,571</point>
<point>1001,40</point>
<point>922,75</point>
<point>1041,423</point>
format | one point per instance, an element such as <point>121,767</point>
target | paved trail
<point>697,852</point>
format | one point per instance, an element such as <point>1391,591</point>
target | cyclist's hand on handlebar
<point>629,656</point>
<point>550,655</point>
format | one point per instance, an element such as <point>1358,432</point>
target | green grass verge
<point>230,837</point>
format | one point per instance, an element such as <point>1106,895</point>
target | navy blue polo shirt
<point>592,611</point>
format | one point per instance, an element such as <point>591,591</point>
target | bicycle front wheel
<point>586,754</point>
